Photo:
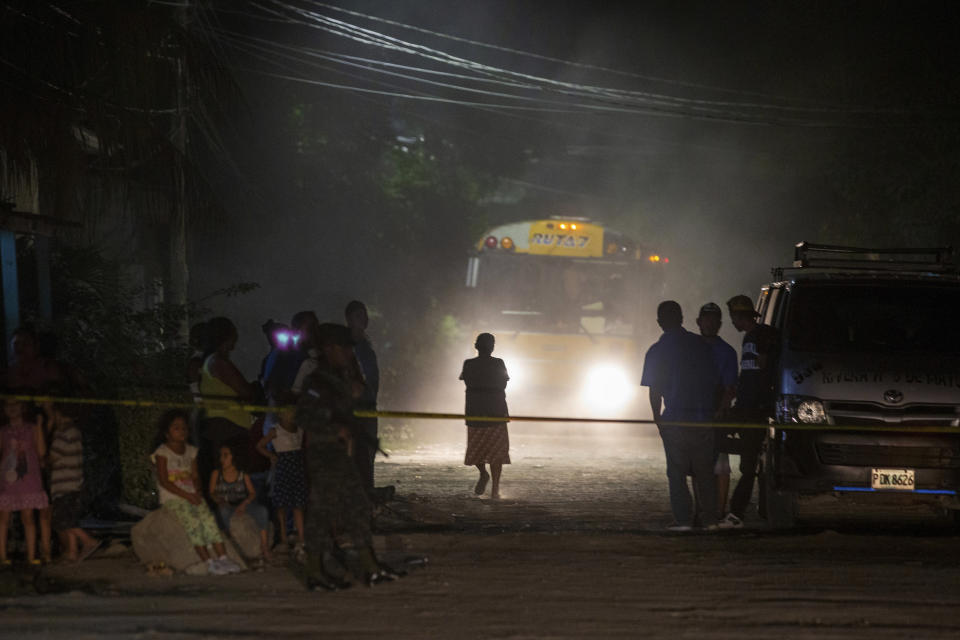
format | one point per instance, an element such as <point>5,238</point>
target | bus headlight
<point>607,386</point>
<point>517,372</point>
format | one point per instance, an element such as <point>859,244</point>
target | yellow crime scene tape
<point>426,415</point>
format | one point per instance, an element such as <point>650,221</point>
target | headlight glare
<point>517,370</point>
<point>607,386</point>
<point>801,409</point>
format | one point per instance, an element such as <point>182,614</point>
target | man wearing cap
<point>683,380</point>
<point>725,358</point>
<point>755,399</point>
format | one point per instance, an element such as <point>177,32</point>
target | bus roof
<point>563,237</point>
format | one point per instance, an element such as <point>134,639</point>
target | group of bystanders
<point>693,381</point>
<point>41,453</point>
<point>309,459</point>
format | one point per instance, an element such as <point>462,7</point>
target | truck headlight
<point>801,409</point>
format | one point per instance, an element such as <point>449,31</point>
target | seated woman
<point>233,492</point>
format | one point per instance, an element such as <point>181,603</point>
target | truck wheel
<point>779,507</point>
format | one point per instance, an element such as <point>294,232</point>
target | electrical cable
<point>408,96</point>
<point>615,108</point>
<point>545,58</point>
<point>592,130</point>
<point>370,37</point>
<point>423,80</point>
<point>333,54</point>
<point>647,109</point>
<point>625,109</point>
<point>318,54</point>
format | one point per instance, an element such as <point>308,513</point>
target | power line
<point>600,99</point>
<point>637,108</point>
<point>373,36</point>
<point>348,60</point>
<point>368,67</point>
<point>622,109</point>
<point>545,58</point>
<point>549,108</point>
<point>392,65</point>
<point>408,96</point>
<point>591,130</point>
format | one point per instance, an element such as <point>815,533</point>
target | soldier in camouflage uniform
<point>336,502</point>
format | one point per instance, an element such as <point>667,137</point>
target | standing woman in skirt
<point>487,441</point>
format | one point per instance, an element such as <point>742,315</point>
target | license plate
<point>893,479</point>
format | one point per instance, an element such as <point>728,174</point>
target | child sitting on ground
<point>234,494</point>
<point>175,462</point>
<point>289,475</point>
<point>65,461</point>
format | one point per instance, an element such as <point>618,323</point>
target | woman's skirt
<point>289,481</point>
<point>488,445</point>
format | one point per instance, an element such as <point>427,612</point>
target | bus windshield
<point>562,295</point>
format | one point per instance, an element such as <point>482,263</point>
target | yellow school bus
<point>563,296</point>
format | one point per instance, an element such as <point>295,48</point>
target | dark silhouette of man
<point>365,449</point>
<point>683,379</point>
<point>755,399</point>
<point>709,321</point>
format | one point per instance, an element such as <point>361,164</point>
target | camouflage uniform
<point>336,499</point>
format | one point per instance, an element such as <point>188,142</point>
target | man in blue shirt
<point>709,321</point>
<point>683,380</point>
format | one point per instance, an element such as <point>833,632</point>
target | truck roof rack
<point>825,257</point>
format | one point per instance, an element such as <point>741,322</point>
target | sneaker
<point>710,528</point>
<point>299,553</point>
<point>730,521</point>
<point>229,565</point>
<point>216,568</point>
<point>679,528</point>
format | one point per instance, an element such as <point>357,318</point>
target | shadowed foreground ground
<point>575,550</point>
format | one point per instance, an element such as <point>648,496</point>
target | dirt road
<point>576,549</point>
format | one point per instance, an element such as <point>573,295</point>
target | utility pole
<point>179,273</point>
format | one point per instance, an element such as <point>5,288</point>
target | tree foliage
<point>125,344</point>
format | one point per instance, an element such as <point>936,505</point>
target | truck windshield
<point>887,318</point>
